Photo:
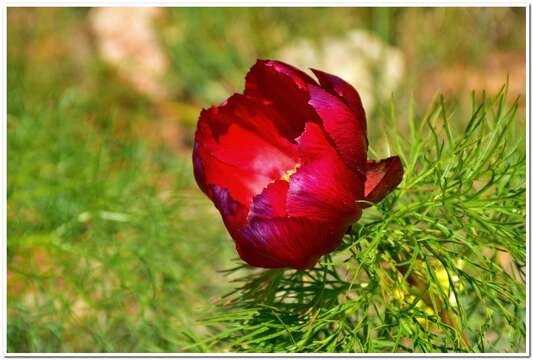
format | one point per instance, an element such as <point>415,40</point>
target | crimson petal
<point>283,88</point>
<point>255,256</point>
<point>298,76</point>
<point>291,242</point>
<point>198,169</point>
<point>381,178</point>
<point>234,215</point>
<point>272,202</point>
<point>342,126</point>
<point>223,132</point>
<point>323,187</point>
<point>345,91</point>
<point>243,185</point>
<point>233,212</point>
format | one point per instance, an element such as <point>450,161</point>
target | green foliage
<point>424,270</point>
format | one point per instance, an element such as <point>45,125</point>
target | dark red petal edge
<point>345,91</point>
<point>198,170</point>
<point>342,126</point>
<point>299,77</point>
<point>381,178</point>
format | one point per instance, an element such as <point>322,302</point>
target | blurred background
<point>111,246</point>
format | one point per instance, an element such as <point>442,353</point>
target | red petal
<point>240,148</point>
<point>250,153</point>
<point>323,188</point>
<point>291,242</point>
<point>284,89</point>
<point>243,185</point>
<point>233,212</point>
<point>272,201</point>
<point>346,92</point>
<point>382,177</point>
<point>255,256</point>
<point>342,126</point>
<point>198,169</point>
<point>234,215</point>
<point>250,114</point>
<point>298,76</point>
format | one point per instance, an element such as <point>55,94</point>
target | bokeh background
<point>111,246</point>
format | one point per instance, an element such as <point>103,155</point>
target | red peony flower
<point>286,164</point>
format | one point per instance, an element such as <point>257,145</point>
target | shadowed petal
<point>233,212</point>
<point>382,177</point>
<point>272,202</point>
<point>342,126</point>
<point>283,88</point>
<point>249,114</point>
<point>198,169</point>
<point>255,256</point>
<point>234,215</point>
<point>323,187</point>
<point>294,242</point>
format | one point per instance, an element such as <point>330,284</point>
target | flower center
<point>289,173</point>
<point>286,175</point>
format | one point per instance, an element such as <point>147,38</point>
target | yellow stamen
<point>289,173</point>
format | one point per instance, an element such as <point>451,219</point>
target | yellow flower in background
<point>406,295</point>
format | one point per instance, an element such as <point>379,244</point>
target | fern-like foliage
<point>438,266</point>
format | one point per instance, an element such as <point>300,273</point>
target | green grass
<point>112,248</point>
<point>108,256</point>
